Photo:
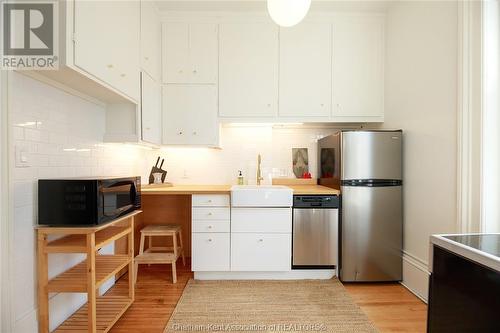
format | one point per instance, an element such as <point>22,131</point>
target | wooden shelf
<point>78,243</point>
<point>100,313</point>
<point>108,310</point>
<point>75,279</point>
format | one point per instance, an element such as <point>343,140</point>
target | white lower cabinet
<point>210,243</point>
<point>210,252</point>
<point>239,239</point>
<point>266,220</point>
<point>261,252</point>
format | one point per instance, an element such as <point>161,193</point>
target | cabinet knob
<point>110,66</point>
<point>195,71</point>
<point>209,200</point>
<point>146,58</point>
<point>181,71</point>
<point>180,133</point>
<point>209,227</point>
<point>210,239</point>
<point>210,214</point>
<point>261,240</point>
<point>194,133</point>
<point>269,105</point>
<point>148,128</point>
<point>322,104</point>
<point>123,75</point>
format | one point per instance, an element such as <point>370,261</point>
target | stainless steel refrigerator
<point>367,168</point>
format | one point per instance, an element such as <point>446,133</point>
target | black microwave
<point>86,201</point>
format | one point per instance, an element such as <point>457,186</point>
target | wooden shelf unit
<point>100,313</point>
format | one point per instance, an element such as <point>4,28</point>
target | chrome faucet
<point>259,173</point>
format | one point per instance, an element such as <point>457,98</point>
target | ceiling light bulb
<point>287,13</point>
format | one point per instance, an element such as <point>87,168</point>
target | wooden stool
<point>151,254</point>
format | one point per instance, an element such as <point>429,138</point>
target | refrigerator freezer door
<point>315,237</point>
<point>371,155</point>
<point>372,233</point>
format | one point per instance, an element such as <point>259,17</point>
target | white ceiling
<point>260,5</point>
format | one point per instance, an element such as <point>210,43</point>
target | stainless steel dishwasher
<point>315,231</point>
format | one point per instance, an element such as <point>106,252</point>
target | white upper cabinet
<point>107,41</point>
<point>248,69</point>
<point>190,115</point>
<point>150,39</point>
<point>189,53</point>
<point>305,70</point>
<point>150,109</point>
<point>358,68</point>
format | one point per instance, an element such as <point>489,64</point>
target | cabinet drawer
<point>261,252</point>
<point>211,226</point>
<point>210,200</point>
<point>210,213</point>
<point>210,252</point>
<point>265,220</point>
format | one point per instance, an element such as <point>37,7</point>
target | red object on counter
<point>307,175</point>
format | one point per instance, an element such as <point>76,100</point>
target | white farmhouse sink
<point>261,196</point>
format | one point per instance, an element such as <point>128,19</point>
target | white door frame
<point>469,120</point>
<point>5,211</point>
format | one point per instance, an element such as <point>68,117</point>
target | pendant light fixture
<point>287,13</point>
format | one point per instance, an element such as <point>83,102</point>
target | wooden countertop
<point>313,189</point>
<point>226,189</point>
<point>186,189</point>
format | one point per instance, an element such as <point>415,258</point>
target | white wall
<point>62,136</point>
<point>4,232</point>
<point>491,118</point>
<point>421,98</point>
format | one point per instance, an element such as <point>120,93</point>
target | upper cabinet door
<point>358,68</point>
<point>190,115</point>
<point>175,53</point>
<point>203,53</point>
<point>150,109</point>
<point>107,43</point>
<point>150,39</point>
<point>248,70</point>
<point>305,88</point>
<point>189,53</point>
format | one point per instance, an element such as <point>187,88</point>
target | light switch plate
<point>22,157</point>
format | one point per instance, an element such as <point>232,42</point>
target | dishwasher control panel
<point>316,201</point>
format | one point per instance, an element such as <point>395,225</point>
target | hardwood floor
<point>390,307</point>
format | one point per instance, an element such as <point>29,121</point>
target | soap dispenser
<point>240,178</point>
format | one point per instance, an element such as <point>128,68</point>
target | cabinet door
<point>151,109</point>
<point>190,53</point>
<point>210,252</point>
<point>150,39</point>
<point>175,55</point>
<point>305,87</point>
<point>202,53</point>
<point>190,115</point>
<point>248,70</point>
<point>358,67</point>
<point>107,43</point>
<point>261,252</point>
<point>92,51</point>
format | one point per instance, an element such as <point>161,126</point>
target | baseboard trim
<point>416,276</point>
<point>321,274</point>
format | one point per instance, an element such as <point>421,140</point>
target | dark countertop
<point>481,248</point>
